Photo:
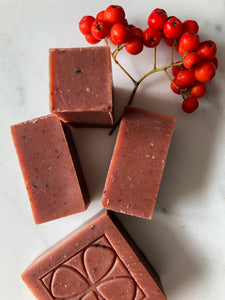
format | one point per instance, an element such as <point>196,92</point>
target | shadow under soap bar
<point>53,177</point>
<point>138,161</point>
<point>96,261</point>
<point>81,86</point>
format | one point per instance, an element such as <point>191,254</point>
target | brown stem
<point>181,90</point>
<point>118,50</point>
<point>131,98</point>
<point>114,55</point>
<point>133,94</point>
<point>106,42</point>
<point>172,52</point>
<point>115,126</point>
<point>137,83</point>
<point>154,67</point>
<point>158,70</point>
<point>122,68</point>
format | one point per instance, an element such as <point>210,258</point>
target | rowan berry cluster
<point>197,66</point>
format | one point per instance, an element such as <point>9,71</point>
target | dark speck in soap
<point>77,72</point>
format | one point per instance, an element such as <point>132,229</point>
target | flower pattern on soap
<point>95,273</point>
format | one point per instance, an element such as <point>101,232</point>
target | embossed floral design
<point>95,273</point>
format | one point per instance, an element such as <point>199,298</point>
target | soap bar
<point>138,161</point>
<point>81,86</point>
<point>97,261</point>
<point>50,167</point>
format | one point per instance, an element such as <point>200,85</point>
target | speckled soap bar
<point>138,161</point>
<point>50,167</point>
<point>81,86</point>
<point>96,262</point>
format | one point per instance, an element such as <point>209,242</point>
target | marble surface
<point>185,241</point>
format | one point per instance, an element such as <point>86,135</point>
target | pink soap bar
<point>81,86</point>
<point>97,261</point>
<point>138,161</point>
<point>53,177</point>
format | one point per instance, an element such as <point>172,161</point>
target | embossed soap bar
<point>81,86</point>
<point>138,161</point>
<point>50,167</point>
<point>99,261</point>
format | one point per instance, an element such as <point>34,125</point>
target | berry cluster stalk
<point>138,82</point>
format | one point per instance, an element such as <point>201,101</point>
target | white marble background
<point>185,241</point>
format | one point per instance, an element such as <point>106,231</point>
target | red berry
<point>111,41</point>
<point>190,26</point>
<point>119,33</point>
<point>114,14</point>
<point>157,18</point>
<point>130,26</point>
<point>177,47</point>
<point>125,23</point>
<point>181,51</point>
<point>207,50</point>
<point>191,60</point>
<point>91,40</point>
<point>215,62</point>
<point>204,71</point>
<point>134,45</point>
<point>136,31</point>
<point>169,41</point>
<point>173,87</point>
<point>173,28</point>
<point>176,69</point>
<point>100,15</point>
<point>185,78</point>
<point>85,24</point>
<point>170,17</point>
<point>99,29</point>
<point>190,104</point>
<point>198,90</point>
<point>151,37</point>
<point>189,41</point>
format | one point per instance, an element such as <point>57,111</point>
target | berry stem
<point>117,50</point>
<point>137,83</point>
<point>181,90</point>
<point>106,42</point>
<point>115,126</point>
<point>155,49</point>
<point>121,67</point>
<point>114,55</point>
<point>129,103</point>
<point>133,93</point>
<point>172,52</point>
<point>158,70</point>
